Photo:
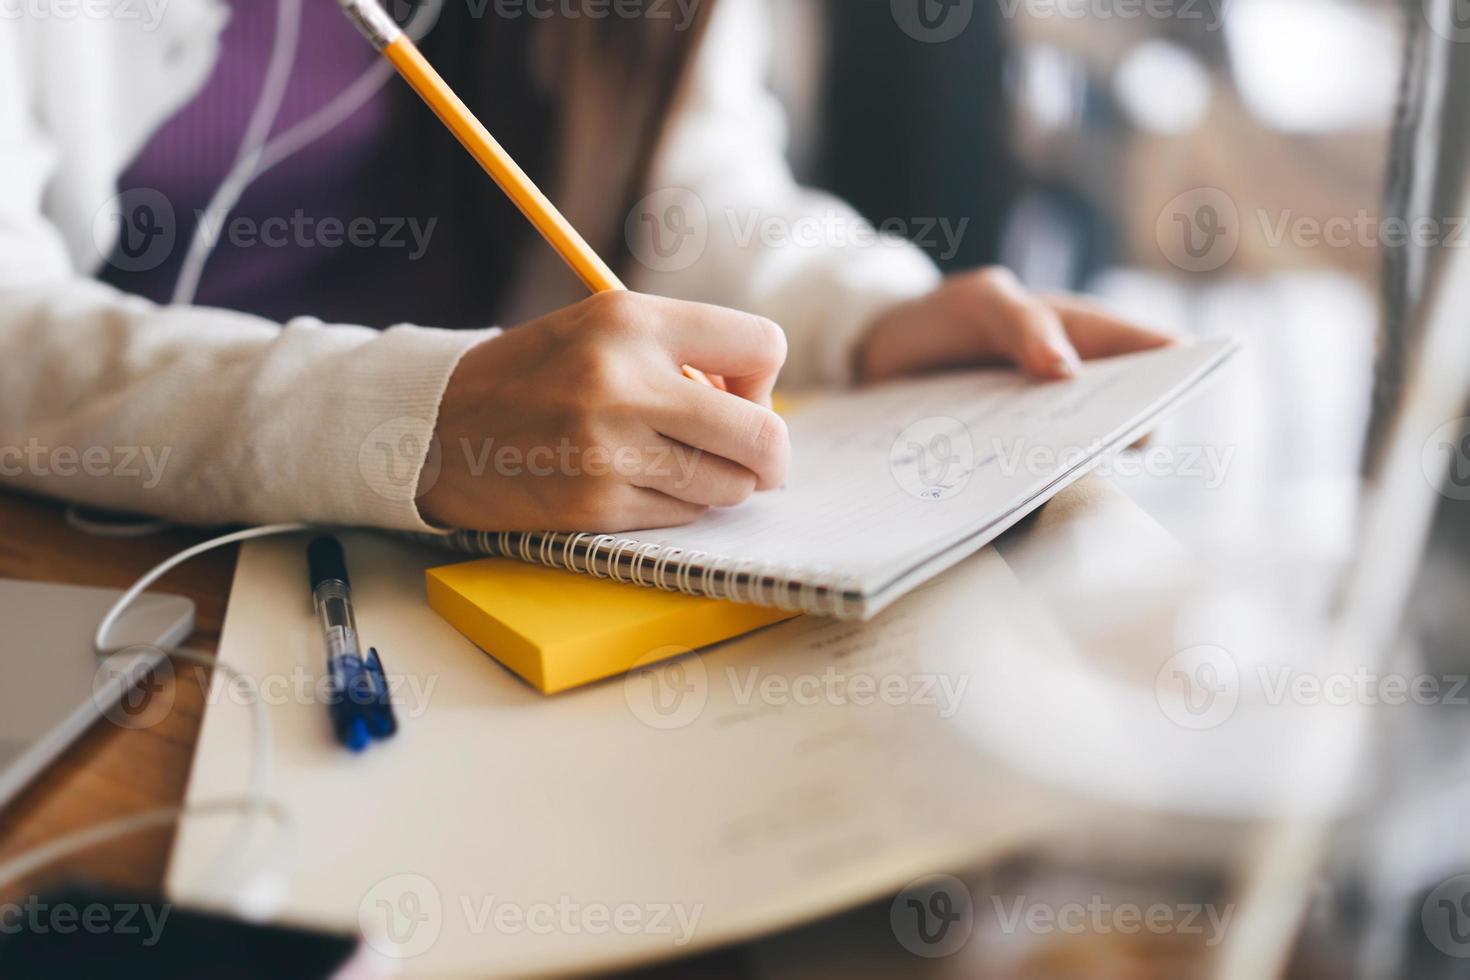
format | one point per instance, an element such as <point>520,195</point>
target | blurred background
<point>1212,167</point>
<point>1094,128</point>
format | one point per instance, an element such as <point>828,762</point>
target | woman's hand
<point>988,317</point>
<point>583,420</point>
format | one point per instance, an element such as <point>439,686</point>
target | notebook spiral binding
<point>819,592</point>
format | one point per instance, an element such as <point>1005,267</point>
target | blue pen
<point>358,701</point>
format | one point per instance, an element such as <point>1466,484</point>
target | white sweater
<point>212,416</point>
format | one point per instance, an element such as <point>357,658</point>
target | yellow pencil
<point>404,55</point>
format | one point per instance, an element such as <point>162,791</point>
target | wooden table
<point>111,771</point>
<point>114,771</point>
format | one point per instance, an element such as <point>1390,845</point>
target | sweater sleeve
<point>725,221</point>
<point>197,415</point>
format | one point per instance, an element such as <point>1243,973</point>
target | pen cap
<point>325,560</point>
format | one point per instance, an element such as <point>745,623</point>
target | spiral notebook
<point>889,486</point>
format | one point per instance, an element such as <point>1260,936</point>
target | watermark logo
<point>135,231</point>
<point>933,21</point>
<point>668,231</point>
<point>1446,459</point>
<point>1445,916</point>
<point>303,231</point>
<point>667,689</point>
<point>401,916</point>
<point>399,460</point>
<point>144,464</point>
<point>147,14</point>
<point>682,14</point>
<point>669,695</point>
<point>567,916</point>
<point>933,459</point>
<point>841,228</point>
<point>1210,465</point>
<point>1200,14</point>
<point>1199,231</point>
<point>1283,684</point>
<point>147,695</point>
<point>1361,230</point>
<point>1099,916</point>
<point>40,918</point>
<point>933,917</point>
<point>1198,688</point>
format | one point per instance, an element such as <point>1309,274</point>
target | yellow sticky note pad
<point>559,630</point>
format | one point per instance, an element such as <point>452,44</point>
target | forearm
<point>208,416</point>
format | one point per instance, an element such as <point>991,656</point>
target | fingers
<point>640,509</point>
<point>696,477</point>
<point>747,351</point>
<point>1026,328</point>
<point>749,435</point>
<point>1097,333</point>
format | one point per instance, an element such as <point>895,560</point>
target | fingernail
<point>1067,362</point>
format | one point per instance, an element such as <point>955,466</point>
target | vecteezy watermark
<point>1208,464</point>
<point>39,917</point>
<point>403,916</point>
<point>666,689</point>
<point>675,461</point>
<point>1201,687</point>
<point>146,464</point>
<point>131,694</point>
<point>833,686</point>
<point>669,694</point>
<point>410,694</point>
<point>1362,229</point>
<point>835,228</point>
<point>1446,459</point>
<point>303,231</point>
<point>134,687</point>
<point>681,12</point>
<point>1445,916</point>
<point>148,12</point>
<point>933,21</point>
<point>401,460</point>
<point>1283,684</point>
<point>135,231</point>
<point>1198,688</point>
<point>1199,14</point>
<point>138,230</point>
<point>1199,231</point>
<point>933,459</point>
<point>670,230</point>
<point>1098,916</point>
<point>933,917</point>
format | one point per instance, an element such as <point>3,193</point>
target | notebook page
<point>886,478</point>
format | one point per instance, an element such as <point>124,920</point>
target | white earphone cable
<point>257,132</point>
<point>255,805</point>
<point>99,640</point>
<point>257,154</point>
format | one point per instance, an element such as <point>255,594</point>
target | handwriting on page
<point>885,478</point>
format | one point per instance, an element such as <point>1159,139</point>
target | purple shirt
<point>346,229</point>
